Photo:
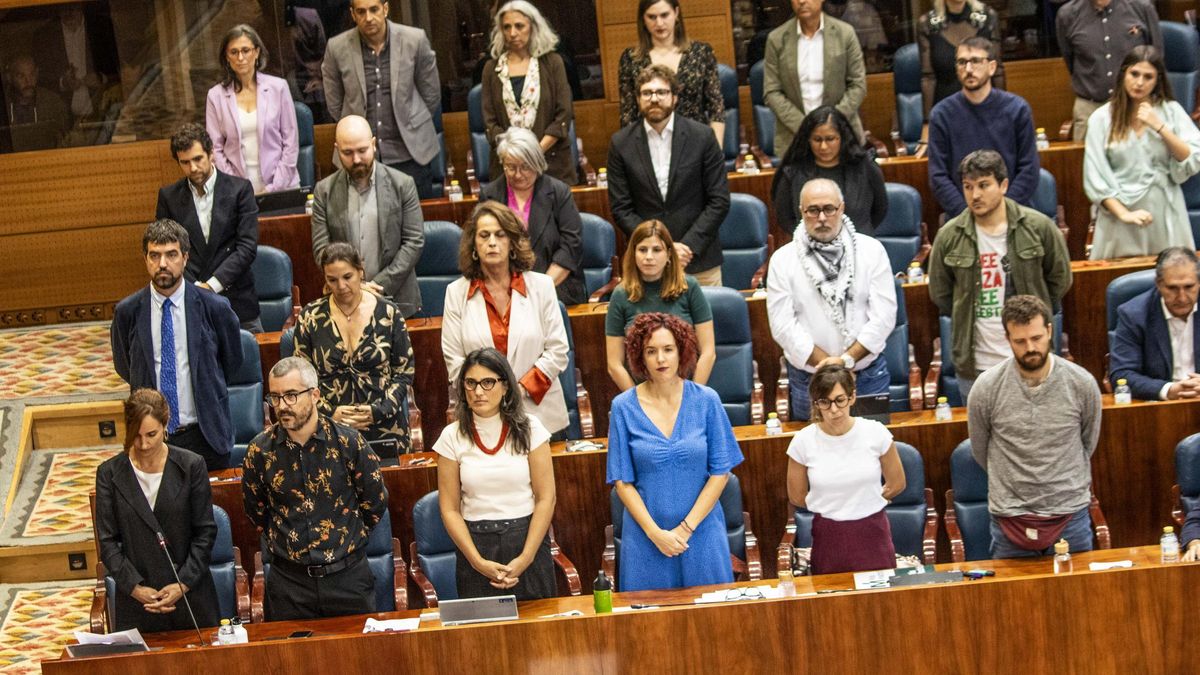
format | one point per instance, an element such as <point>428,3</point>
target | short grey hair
<point>523,146</point>
<point>542,38</point>
<point>819,183</point>
<point>1175,256</point>
<point>308,374</point>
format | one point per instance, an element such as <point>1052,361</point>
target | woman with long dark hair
<point>825,147</point>
<point>1140,147</point>
<point>496,485</point>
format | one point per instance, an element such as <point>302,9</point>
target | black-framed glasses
<point>829,210</point>
<point>827,403</point>
<point>242,53</point>
<point>288,397</point>
<point>651,94</point>
<point>974,62</point>
<point>488,383</point>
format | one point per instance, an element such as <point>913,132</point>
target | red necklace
<point>499,444</point>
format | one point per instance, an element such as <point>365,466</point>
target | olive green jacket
<point>1039,265</point>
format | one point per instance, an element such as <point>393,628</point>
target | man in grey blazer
<point>376,209</point>
<point>812,61</point>
<point>387,73</point>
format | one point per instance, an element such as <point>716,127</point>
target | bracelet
<point>687,528</point>
<point>1160,128</point>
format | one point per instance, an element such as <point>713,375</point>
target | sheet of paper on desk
<point>391,625</point>
<point>1101,566</point>
<point>876,579</point>
<point>125,637</point>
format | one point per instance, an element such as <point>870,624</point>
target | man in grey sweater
<point>1034,421</point>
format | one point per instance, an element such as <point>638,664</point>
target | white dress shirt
<point>204,207</point>
<point>795,308</point>
<point>183,371</point>
<point>75,42</point>
<point>810,65</point>
<point>660,153</point>
<point>1183,355</point>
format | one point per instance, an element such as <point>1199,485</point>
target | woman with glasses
<point>662,40</point>
<point>939,32</point>
<point>359,345</point>
<point>1140,147</point>
<point>251,117</point>
<point>496,485</point>
<point>546,209</point>
<point>148,489</point>
<point>818,151</point>
<point>652,280</point>
<point>525,85</point>
<point>500,302</point>
<point>671,449</point>
<point>834,469</point>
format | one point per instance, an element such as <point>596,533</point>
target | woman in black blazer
<point>547,208</point>
<point>154,488</point>
<point>824,147</point>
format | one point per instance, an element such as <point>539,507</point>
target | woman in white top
<point>499,302</point>
<point>496,485</point>
<point>834,471</point>
<point>251,117</point>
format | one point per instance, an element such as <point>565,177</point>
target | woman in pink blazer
<point>251,117</point>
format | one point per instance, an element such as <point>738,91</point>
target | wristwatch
<point>848,361</point>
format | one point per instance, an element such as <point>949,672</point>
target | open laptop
<point>282,203</point>
<point>876,407</point>
<point>477,610</point>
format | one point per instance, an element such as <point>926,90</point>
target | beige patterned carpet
<point>39,620</point>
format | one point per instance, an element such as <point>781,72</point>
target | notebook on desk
<point>283,202</point>
<point>876,407</point>
<point>477,610</point>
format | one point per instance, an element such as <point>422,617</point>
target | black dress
<point>937,41</point>
<point>862,186</point>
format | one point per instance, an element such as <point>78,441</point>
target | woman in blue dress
<point>671,451</point>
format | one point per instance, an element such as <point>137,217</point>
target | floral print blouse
<point>699,86</point>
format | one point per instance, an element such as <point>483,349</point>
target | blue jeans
<point>1078,535</point>
<point>874,379</point>
<point>964,388</point>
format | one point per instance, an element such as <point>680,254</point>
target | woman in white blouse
<point>499,302</point>
<point>496,485</point>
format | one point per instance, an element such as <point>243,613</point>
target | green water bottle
<point>602,594</point>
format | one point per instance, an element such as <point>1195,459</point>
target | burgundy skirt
<point>852,545</point>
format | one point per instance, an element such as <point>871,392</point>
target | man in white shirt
<point>830,298</point>
<point>1154,347</point>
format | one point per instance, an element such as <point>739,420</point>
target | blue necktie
<point>167,377</point>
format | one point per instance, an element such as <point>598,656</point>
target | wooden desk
<point>1030,621</point>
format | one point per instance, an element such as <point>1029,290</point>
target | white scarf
<point>833,280</point>
<point>524,114</point>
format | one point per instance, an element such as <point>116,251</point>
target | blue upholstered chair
<point>1191,198</point>
<point>273,285</point>
<point>481,150</point>
<point>967,517</point>
<point>945,374</point>
<point>911,514</point>
<point>902,230</point>
<point>1045,199</point>
<point>905,386</point>
<point>579,405</point>
<point>245,399</point>
<point>437,267</point>
<point>383,557</point>
<point>432,556</point>
<point>764,118</point>
<point>744,242</point>
<point>1181,55</point>
<point>1185,494</point>
<point>735,373</point>
<point>910,107</point>
<point>230,580</point>
<point>601,266</point>
<point>1119,291</point>
<point>733,118</point>
<point>306,159</point>
<point>287,342</point>
<point>744,556</point>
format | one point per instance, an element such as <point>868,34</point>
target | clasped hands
<point>161,601</point>
<point>503,576</point>
<point>1186,388</point>
<point>357,416</point>
<point>671,542</point>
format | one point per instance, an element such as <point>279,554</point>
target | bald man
<point>376,209</point>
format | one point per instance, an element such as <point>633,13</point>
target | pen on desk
<point>835,590</point>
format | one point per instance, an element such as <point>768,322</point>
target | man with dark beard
<point>1034,421</point>
<point>374,208</point>
<point>313,488</point>
<point>183,341</point>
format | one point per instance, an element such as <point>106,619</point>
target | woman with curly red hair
<point>671,449</point>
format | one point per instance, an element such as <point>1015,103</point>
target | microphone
<point>162,542</point>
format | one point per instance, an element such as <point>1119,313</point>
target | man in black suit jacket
<point>669,168</point>
<point>207,346</point>
<point>221,218</point>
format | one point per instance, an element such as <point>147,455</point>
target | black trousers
<point>290,595</point>
<point>191,438</point>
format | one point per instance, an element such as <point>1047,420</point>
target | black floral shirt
<point>699,85</point>
<point>316,504</point>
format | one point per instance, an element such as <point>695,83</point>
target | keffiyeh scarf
<point>830,268</point>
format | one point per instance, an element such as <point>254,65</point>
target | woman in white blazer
<point>500,303</point>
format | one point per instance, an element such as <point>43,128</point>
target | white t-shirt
<point>844,474</point>
<point>149,482</point>
<point>494,487</point>
<point>991,347</point>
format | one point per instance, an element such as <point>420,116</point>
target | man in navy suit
<point>221,218</point>
<point>203,344</point>
<point>1155,346</point>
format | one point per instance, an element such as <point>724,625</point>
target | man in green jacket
<point>993,250</point>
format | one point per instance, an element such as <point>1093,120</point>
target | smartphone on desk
<point>300,634</point>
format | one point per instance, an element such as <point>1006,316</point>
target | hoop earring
<point>474,254</point>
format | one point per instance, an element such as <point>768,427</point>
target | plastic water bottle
<point>1062,557</point>
<point>749,166</point>
<point>774,428</point>
<point>942,412</point>
<point>916,275</point>
<point>308,204</point>
<point>602,594</point>
<point>602,178</point>
<point>1043,142</point>
<point>1169,545</point>
<point>455,192</point>
<point>1123,396</point>
<point>787,583</point>
<point>225,634</point>
<point>240,636</point>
